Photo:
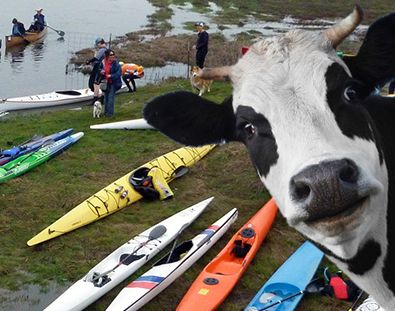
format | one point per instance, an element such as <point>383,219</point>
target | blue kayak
<point>31,145</point>
<point>290,279</point>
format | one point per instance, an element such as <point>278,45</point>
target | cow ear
<point>191,119</point>
<point>374,64</point>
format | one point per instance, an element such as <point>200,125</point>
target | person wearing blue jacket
<point>18,29</point>
<point>111,72</point>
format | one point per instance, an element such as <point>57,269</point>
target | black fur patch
<point>374,64</point>
<point>191,119</point>
<point>382,110</point>
<point>363,261</point>
<point>351,117</point>
<point>261,145</point>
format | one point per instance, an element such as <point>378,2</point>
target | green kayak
<point>29,161</point>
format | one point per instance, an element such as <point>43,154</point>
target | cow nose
<point>327,188</point>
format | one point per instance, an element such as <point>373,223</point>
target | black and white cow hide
<point>322,144</point>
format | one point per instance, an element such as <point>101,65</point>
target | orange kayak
<point>218,278</point>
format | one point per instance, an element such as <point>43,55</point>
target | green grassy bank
<point>31,202</point>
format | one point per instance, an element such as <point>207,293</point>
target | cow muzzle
<point>333,194</point>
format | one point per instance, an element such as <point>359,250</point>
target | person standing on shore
<point>95,76</point>
<point>111,72</point>
<point>201,44</point>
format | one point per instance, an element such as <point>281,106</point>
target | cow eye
<point>350,94</point>
<point>250,129</point>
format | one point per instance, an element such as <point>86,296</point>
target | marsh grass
<point>31,202</point>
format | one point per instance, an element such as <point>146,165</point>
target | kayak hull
<point>87,290</point>
<point>34,144</point>
<point>27,162</point>
<point>137,124</point>
<point>285,281</point>
<point>52,99</point>
<point>164,272</point>
<point>119,194</point>
<point>219,277</point>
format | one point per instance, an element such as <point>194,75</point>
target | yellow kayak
<point>122,192</point>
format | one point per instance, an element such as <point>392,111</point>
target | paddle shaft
<point>141,245</point>
<point>356,301</point>
<point>282,300</point>
<point>59,32</point>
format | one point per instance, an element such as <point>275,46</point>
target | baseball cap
<point>201,24</point>
<point>99,40</point>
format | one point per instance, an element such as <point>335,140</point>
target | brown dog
<point>198,83</point>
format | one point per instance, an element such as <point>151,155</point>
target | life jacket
<point>339,288</point>
<point>150,183</point>
<point>133,69</point>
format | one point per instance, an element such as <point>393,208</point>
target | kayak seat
<point>177,254</point>
<point>127,259</point>
<point>241,249</point>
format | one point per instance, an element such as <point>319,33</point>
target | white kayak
<point>169,268</point>
<point>52,99</point>
<point>125,260</point>
<point>136,124</point>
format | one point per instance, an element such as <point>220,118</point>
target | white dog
<point>97,109</point>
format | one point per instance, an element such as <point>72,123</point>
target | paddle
<point>59,32</point>
<point>313,287</point>
<point>356,301</point>
<point>155,233</point>
<point>175,241</point>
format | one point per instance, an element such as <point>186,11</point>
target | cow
<point>317,135</point>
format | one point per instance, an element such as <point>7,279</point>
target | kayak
<point>121,193</point>
<point>29,37</point>
<point>137,124</point>
<point>31,145</point>
<point>125,260</point>
<point>25,163</point>
<point>218,278</point>
<point>291,278</point>
<point>170,267</point>
<point>52,99</point>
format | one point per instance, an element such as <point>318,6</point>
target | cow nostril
<point>349,172</point>
<point>301,190</point>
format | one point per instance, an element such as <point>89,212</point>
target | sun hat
<point>201,24</point>
<point>39,10</point>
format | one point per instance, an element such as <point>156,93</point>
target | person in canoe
<point>18,29</point>
<point>95,76</point>
<point>39,23</point>
<point>130,72</point>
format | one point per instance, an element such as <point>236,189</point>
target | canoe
<point>170,267</point>
<point>25,163</point>
<point>136,124</point>
<point>125,260</point>
<point>52,99</point>
<point>31,145</point>
<point>29,37</point>
<point>292,277</point>
<point>120,193</point>
<point>218,278</point>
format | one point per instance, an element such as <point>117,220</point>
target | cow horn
<point>218,73</point>
<point>341,30</point>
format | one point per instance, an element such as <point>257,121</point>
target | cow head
<point>299,109</point>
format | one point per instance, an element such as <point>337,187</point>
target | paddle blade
<point>61,33</point>
<point>315,286</point>
<point>157,232</point>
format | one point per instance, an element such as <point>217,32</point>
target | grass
<point>31,202</point>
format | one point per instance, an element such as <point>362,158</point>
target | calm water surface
<point>39,68</point>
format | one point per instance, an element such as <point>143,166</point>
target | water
<point>40,68</point>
